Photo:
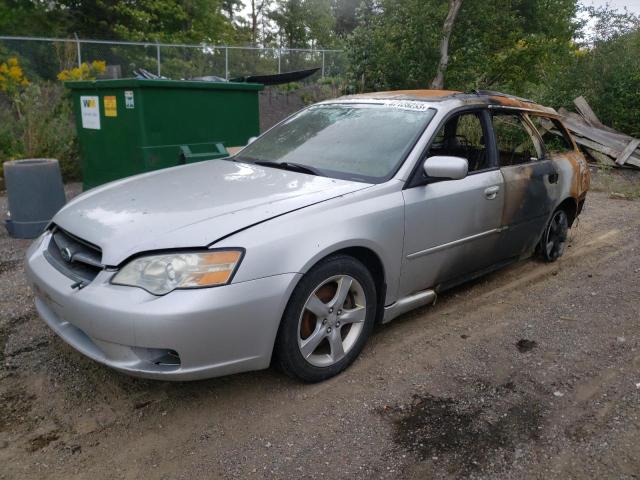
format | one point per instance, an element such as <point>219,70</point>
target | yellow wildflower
<point>85,71</point>
<point>12,77</point>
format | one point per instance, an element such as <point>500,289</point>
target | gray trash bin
<point>34,192</point>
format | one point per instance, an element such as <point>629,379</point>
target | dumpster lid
<point>161,83</point>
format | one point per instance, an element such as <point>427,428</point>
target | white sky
<point>632,5</point>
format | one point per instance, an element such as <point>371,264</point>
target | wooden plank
<point>599,157</point>
<point>585,110</point>
<point>609,152</point>
<point>635,161</point>
<point>612,153</point>
<point>578,124</point>
<point>573,116</point>
<point>610,143</point>
<point>610,139</point>
<point>628,150</point>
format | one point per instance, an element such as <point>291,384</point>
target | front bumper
<point>215,331</point>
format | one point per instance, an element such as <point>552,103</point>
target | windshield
<point>362,142</point>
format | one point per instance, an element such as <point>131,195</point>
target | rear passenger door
<point>530,182</point>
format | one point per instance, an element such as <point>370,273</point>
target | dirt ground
<point>531,372</point>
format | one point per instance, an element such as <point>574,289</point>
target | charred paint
<point>479,98</point>
<point>507,101</point>
<point>532,190</point>
<point>530,197</point>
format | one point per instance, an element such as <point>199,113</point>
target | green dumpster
<point>130,126</point>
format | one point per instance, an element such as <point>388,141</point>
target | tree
<point>145,20</point>
<point>454,7</point>
<point>289,17</point>
<point>394,44</point>
<point>231,7</point>
<point>498,44</point>
<point>344,12</point>
<point>319,22</point>
<point>258,8</point>
<point>604,68</point>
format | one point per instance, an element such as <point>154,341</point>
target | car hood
<point>190,206</point>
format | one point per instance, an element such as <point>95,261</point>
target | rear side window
<point>514,141</point>
<point>552,133</point>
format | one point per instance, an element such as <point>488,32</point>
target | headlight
<point>160,274</point>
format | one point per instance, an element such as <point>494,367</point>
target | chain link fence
<point>46,57</point>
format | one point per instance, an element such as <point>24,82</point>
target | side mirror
<point>251,140</point>
<point>446,168</point>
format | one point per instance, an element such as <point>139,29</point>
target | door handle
<point>491,192</point>
<point>553,177</point>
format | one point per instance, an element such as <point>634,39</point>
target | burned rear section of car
<point>552,173</point>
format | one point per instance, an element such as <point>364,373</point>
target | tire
<point>328,320</point>
<point>554,239</point>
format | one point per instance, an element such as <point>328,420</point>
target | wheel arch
<point>571,208</point>
<point>372,262</point>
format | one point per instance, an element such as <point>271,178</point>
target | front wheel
<point>554,238</point>
<point>328,319</point>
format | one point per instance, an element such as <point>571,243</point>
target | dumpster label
<point>128,99</point>
<point>110,106</point>
<point>90,112</point>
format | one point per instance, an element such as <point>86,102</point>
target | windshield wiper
<point>296,167</point>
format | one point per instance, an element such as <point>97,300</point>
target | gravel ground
<point>530,372</point>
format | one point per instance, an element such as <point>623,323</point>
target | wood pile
<point>603,144</point>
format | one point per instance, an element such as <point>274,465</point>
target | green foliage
<point>344,12</point>
<point>526,47</point>
<point>495,43</point>
<point>304,23</point>
<point>39,123</point>
<point>606,72</point>
<point>144,20</point>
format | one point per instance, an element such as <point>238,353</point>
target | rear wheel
<point>328,319</point>
<point>554,239</point>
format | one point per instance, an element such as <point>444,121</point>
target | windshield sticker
<point>408,105</point>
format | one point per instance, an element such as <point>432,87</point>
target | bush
<point>38,122</point>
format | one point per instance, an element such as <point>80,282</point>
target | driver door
<point>451,226</point>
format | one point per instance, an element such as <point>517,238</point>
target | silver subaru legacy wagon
<point>350,212</point>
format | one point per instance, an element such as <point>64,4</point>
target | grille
<point>75,258</point>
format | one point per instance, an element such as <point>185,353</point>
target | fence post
<point>279,59</point>
<point>158,56</point>
<point>322,63</point>
<point>226,63</point>
<point>79,52</point>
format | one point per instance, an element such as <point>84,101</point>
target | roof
<point>485,97</point>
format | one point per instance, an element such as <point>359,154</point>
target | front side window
<point>462,136</point>
<point>361,142</point>
<point>514,140</point>
<point>552,133</point>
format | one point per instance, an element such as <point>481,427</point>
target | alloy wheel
<point>331,320</point>
<point>556,235</point>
